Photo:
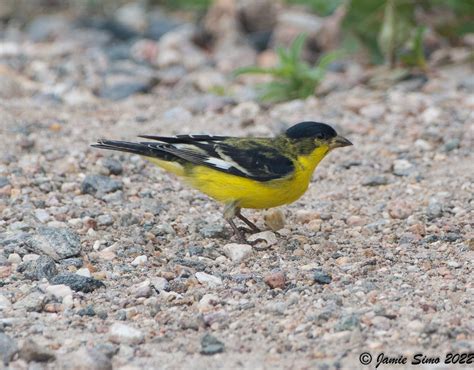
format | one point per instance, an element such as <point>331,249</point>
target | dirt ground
<point>376,257</point>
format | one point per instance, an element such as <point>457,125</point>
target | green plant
<point>389,31</point>
<point>293,77</point>
<point>320,7</point>
<point>192,5</point>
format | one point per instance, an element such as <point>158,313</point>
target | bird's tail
<point>151,151</point>
<point>129,147</point>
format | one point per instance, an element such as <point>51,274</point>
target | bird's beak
<point>339,142</point>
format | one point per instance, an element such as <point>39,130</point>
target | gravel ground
<point>107,261</point>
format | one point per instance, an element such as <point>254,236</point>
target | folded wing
<point>255,159</point>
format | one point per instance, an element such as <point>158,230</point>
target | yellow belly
<point>247,193</point>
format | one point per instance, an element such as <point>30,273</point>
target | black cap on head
<point>310,129</point>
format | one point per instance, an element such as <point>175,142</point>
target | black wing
<point>255,159</point>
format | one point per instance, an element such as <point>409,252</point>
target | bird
<point>241,172</point>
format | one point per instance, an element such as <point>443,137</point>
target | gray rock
<point>8,348</point>
<point>33,302</point>
<point>402,167</point>
<point>321,277</point>
<point>93,184</point>
<point>213,230</point>
<point>58,243</point>
<point>85,359</point>
<point>159,24</point>
<point>434,209</point>
<point>197,265</point>
<point>87,311</point>
<point>347,322</point>
<point>46,26</point>
<point>375,181</point>
<point>451,145</point>
<point>77,282</point>
<point>43,267</point>
<point>14,242</point>
<point>4,182</point>
<point>114,166</point>
<point>210,345</point>
<point>160,284</point>
<point>4,261</point>
<point>105,220</point>
<point>5,303</point>
<point>74,261</point>
<point>32,351</point>
<point>42,215</point>
<point>122,90</point>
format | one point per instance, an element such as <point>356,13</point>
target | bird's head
<point>310,135</point>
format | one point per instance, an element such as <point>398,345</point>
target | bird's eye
<point>319,136</point>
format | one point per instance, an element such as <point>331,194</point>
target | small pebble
<point>210,280</point>
<point>275,280</point>
<point>77,283</point>
<point>125,334</point>
<point>140,260</point>
<point>237,252</point>
<point>210,345</point>
<point>321,277</point>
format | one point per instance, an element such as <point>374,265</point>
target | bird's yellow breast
<point>248,193</point>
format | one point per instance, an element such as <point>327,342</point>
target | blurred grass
<point>293,78</point>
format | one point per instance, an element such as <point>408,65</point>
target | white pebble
<point>84,271</point>
<point>139,260</point>
<point>210,280</point>
<point>59,291</point>
<point>14,258</point>
<point>124,334</point>
<point>237,252</point>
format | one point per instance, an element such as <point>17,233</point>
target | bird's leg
<point>230,211</point>
<point>253,227</point>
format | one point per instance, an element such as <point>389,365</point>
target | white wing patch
<point>219,163</point>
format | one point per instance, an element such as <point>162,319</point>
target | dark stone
<point>121,315</point>
<point>58,243</point>
<point>4,182</point>
<point>321,277</point>
<point>93,184</point>
<point>43,267</point>
<point>160,24</point>
<point>451,145</point>
<point>88,311</point>
<point>260,39</point>
<point>213,230</point>
<point>77,282</point>
<point>210,345</point>
<point>118,51</point>
<point>14,242</point>
<point>196,250</point>
<point>197,265</point>
<point>114,28</point>
<point>123,90</point>
<point>77,262</point>
<point>375,181</point>
<point>113,165</point>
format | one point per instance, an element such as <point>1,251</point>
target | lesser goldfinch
<point>256,173</point>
